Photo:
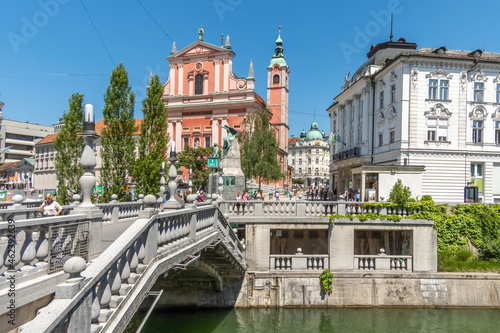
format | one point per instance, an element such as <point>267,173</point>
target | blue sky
<point>50,49</point>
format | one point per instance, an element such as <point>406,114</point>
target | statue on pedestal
<point>231,134</point>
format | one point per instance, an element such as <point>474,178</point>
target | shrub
<point>399,193</point>
<point>326,281</point>
<point>491,251</point>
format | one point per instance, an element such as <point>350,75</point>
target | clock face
<point>198,67</point>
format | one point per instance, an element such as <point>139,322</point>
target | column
<point>215,131</point>
<point>355,123</point>
<point>190,83</point>
<point>172,79</point>
<point>340,128</point>
<point>205,83</point>
<point>180,79</point>
<point>178,132</point>
<point>363,185</point>
<point>217,75</point>
<point>226,75</point>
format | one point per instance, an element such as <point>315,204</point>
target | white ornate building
<point>429,116</point>
<point>308,155</point>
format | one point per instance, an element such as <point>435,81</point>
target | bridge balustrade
<point>90,303</point>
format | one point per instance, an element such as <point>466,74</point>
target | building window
<point>433,89</point>
<point>316,172</point>
<point>477,131</point>
<point>393,93</point>
<point>198,84</point>
<point>497,132</point>
<point>276,79</point>
<point>300,161</point>
<point>317,161</point>
<point>443,89</point>
<point>498,92</point>
<point>381,98</point>
<point>309,161</point>
<point>309,170</point>
<point>185,129</point>
<point>317,151</point>
<point>207,141</point>
<point>437,128</point>
<point>300,170</point>
<point>479,92</point>
<point>186,142</point>
<point>293,162</point>
<point>380,139</point>
<point>392,136</point>
<point>300,152</point>
<point>476,176</point>
<point>293,153</point>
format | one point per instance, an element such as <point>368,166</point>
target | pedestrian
<point>238,198</point>
<point>270,194</point>
<point>50,207</point>
<point>244,197</point>
<point>277,194</point>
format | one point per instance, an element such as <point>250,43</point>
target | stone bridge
<point>100,291</point>
<point>192,253</point>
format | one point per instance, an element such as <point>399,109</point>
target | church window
<point>276,79</point>
<point>186,142</point>
<point>198,84</point>
<point>207,141</point>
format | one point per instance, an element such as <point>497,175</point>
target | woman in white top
<point>50,207</point>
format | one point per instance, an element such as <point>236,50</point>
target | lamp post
<point>172,202</point>
<point>88,161</point>
<point>190,183</point>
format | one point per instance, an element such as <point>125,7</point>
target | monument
<point>232,175</point>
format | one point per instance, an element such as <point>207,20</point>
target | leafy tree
<point>259,149</point>
<point>196,159</point>
<point>118,145</point>
<point>69,149</point>
<point>153,141</point>
<point>399,193</point>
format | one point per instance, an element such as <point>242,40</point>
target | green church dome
<point>314,133</point>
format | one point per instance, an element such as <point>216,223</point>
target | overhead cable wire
<point>158,24</point>
<point>98,34</point>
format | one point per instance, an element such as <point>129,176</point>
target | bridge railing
<point>305,208</point>
<point>89,303</point>
<point>37,246</point>
<point>120,211</point>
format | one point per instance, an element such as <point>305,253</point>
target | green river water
<point>298,320</point>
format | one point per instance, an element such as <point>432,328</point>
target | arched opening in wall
<point>198,84</point>
<point>276,79</point>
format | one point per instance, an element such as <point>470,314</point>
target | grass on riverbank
<point>465,261</point>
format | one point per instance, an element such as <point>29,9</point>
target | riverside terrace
<point>102,290</point>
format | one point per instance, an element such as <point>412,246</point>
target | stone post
<point>79,320</point>
<point>258,208</point>
<point>341,209</point>
<point>115,212</point>
<point>152,233</point>
<point>87,182</point>
<point>172,203</point>
<point>17,206</point>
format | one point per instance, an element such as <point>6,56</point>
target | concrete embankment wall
<point>349,289</point>
<point>370,289</point>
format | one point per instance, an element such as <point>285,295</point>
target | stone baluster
<point>115,213</point>
<point>76,200</point>
<point>4,241</point>
<point>28,252</point>
<point>134,262</point>
<point>115,283</point>
<point>124,270</point>
<point>104,296</point>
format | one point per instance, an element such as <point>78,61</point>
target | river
<point>302,320</point>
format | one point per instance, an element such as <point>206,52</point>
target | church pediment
<point>200,48</point>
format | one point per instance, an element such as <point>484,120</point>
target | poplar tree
<point>153,140</point>
<point>69,149</point>
<point>118,145</point>
<point>259,149</point>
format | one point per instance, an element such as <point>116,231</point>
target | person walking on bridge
<point>50,207</point>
